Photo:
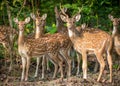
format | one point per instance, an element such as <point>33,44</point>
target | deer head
<point>70,21</point>
<point>21,24</point>
<point>115,21</point>
<point>39,20</point>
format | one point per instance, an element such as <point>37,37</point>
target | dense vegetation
<point>94,12</point>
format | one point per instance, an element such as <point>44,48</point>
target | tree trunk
<point>10,35</point>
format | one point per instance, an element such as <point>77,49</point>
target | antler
<point>80,9</point>
<point>38,13</point>
<point>63,12</point>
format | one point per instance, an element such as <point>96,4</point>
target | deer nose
<point>68,24</point>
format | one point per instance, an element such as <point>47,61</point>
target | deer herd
<point>56,47</point>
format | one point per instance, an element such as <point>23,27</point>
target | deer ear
<point>83,26</point>
<point>27,20</point>
<point>15,20</point>
<point>110,17</point>
<point>77,17</point>
<point>33,16</point>
<point>44,16</point>
<point>63,17</point>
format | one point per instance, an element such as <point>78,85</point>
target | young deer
<point>39,32</point>
<point>115,33</point>
<point>7,35</point>
<point>95,41</point>
<point>29,48</point>
<point>64,41</point>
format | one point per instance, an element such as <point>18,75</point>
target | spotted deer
<point>115,33</point>
<point>85,27</point>
<point>95,41</point>
<point>32,47</point>
<point>39,32</point>
<point>64,40</point>
<point>7,35</point>
<point>61,28</point>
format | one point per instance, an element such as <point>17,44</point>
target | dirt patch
<point>13,78</point>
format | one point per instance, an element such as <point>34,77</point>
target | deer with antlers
<point>61,28</point>
<point>29,48</point>
<point>64,41</point>
<point>84,42</point>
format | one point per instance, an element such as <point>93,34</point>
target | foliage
<point>51,29</point>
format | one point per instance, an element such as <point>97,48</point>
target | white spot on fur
<point>37,29</point>
<point>70,33</point>
<point>20,33</point>
<point>114,30</point>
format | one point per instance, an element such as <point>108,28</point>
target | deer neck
<point>21,38</point>
<point>115,31</point>
<point>38,32</point>
<point>60,25</point>
<point>73,33</point>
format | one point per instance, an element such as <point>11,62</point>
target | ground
<point>13,78</point>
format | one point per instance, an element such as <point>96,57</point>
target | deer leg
<point>84,65</point>
<point>47,61</point>
<point>78,64</point>
<point>61,68</point>
<point>60,65</point>
<point>64,53</point>
<point>118,51</point>
<point>10,51</point>
<point>72,53</point>
<point>48,67</point>
<point>27,67</point>
<point>38,62</point>
<point>73,63</point>
<point>11,62</point>
<point>55,70</point>
<point>96,66</point>
<point>102,65</point>
<point>109,58</point>
<point>58,59</point>
<point>43,67</point>
<point>55,62</point>
<point>23,68</point>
